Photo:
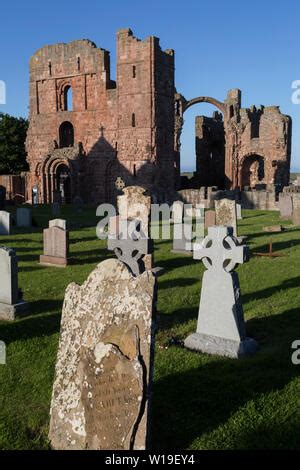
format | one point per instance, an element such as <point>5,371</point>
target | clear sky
<point>219,44</point>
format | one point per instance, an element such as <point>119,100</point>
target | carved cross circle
<point>219,251</point>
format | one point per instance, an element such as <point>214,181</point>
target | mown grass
<point>199,401</point>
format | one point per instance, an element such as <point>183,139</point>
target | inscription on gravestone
<point>103,373</point>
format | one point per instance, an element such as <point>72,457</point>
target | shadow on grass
<point>176,262</point>
<point>197,401</point>
<point>179,282</point>
<point>32,327</point>
<point>265,293</point>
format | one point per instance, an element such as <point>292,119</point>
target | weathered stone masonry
<point>90,136</point>
<point>114,130</point>
<point>239,147</point>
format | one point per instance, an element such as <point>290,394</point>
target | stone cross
<point>129,247</point>
<point>221,327</point>
<point>119,183</point>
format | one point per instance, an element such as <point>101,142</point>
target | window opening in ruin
<point>68,98</point>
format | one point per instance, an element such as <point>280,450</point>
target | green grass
<point>199,401</point>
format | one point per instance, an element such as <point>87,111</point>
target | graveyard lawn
<point>199,401</point>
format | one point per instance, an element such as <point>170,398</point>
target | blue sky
<point>254,46</point>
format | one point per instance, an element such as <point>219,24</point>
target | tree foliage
<point>12,144</point>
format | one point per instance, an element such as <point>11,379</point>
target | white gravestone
<point>221,327</point>
<point>5,223</point>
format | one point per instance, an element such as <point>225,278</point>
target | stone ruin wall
<point>121,129</point>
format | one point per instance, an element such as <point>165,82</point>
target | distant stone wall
<point>15,187</point>
<point>253,199</point>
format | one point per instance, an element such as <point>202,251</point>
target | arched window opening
<point>133,120</point>
<point>68,98</point>
<point>66,135</point>
<point>133,71</point>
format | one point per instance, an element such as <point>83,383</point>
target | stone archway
<point>252,170</point>
<point>211,147</point>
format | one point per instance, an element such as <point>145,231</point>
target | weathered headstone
<point>11,302</point>
<point>24,217</point>
<point>55,209</point>
<point>5,223</point>
<point>285,206</point>
<point>296,216</point>
<point>61,223</point>
<point>238,211</point>
<point>103,373</point>
<point>221,327</point>
<point>226,214</point>
<point>134,204</point>
<point>209,218</point>
<point>56,244</point>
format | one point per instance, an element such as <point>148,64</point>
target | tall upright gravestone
<point>56,244</point>
<point>221,327</point>
<point>134,204</point>
<point>104,365</point>
<point>226,214</point>
<point>5,223</point>
<point>24,217</point>
<point>11,302</point>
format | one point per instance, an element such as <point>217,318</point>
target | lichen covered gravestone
<point>135,204</point>
<point>11,302</point>
<point>221,327</point>
<point>226,214</point>
<point>104,365</point>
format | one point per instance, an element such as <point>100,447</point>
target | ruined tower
<point>89,135</point>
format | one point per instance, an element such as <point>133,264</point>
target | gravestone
<point>24,217</point>
<point>55,209</point>
<point>56,244</point>
<point>226,214</point>
<point>221,327</point>
<point>129,244</point>
<point>61,223</point>
<point>11,302</point>
<point>134,204</point>
<point>182,233</point>
<point>285,206</point>
<point>209,218</point>
<point>296,216</point>
<point>2,197</point>
<point>238,211</point>
<point>103,372</point>
<point>5,223</point>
